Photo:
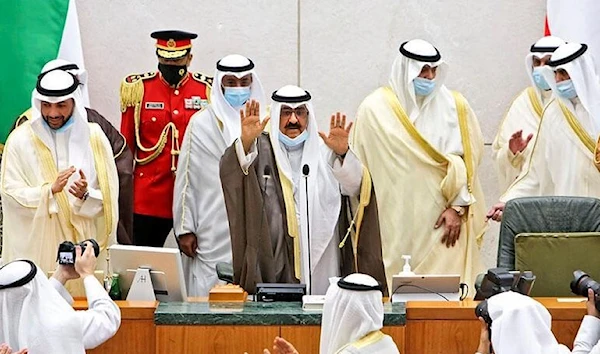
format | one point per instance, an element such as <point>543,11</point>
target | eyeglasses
<point>300,112</point>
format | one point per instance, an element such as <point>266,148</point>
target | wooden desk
<point>198,328</point>
<point>137,334</point>
<point>451,327</point>
<point>430,327</point>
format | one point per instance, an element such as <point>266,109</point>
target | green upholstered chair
<point>553,257</point>
<point>557,218</point>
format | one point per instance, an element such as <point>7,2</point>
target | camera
<point>499,280</point>
<point>66,251</point>
<point>582,282</point>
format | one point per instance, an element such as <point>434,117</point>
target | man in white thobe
<point>297,237</point>
<point>512,145</point>
<point>565,158</point>
<point>58,177</point>
<point>352,320</point>
<point>35,316</point>
<point>199,215</point>
<point>520,324</point>
<point>422,145</point>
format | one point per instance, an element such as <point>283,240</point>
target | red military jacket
<point>153,121</point>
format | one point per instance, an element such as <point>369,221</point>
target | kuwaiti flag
<point>33,32</point>
<point>576,21</point>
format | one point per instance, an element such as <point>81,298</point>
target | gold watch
<point>460,210</point>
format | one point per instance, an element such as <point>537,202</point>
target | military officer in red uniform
<point>156,108</point>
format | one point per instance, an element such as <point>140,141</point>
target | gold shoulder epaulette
<point>200,77</point>
<point>132,89</point>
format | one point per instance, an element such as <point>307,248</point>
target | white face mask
<point>291,142</point>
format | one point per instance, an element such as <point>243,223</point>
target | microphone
<point>266,176</point>
<point>305,173</point>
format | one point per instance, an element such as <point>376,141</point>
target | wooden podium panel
<point>214,339</point>
<point>451,327</point>
<point>431,327</point>
<point>306,339</point>
<point>137,333</point>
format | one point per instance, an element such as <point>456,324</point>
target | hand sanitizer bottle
<point>406,271</point>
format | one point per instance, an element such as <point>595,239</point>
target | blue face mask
<point>423,87</point>
<point>289,142</point>
<point>565,89</point>
<point>65,126</point>
<point>539,79</point>
<point>237,96</point>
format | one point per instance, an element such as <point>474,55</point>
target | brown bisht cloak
<point>124,161</point>
<point>263,251</point>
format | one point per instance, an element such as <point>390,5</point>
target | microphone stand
<point>305,172</point>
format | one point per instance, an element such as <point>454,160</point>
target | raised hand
<point>517,144</point>
<point>337,140</point>
<point>484,338</point>
<point>251,124</point>
<point>62,179</point>
<point>281,346</point>
<point>79,188</point>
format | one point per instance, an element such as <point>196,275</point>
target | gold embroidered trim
<point>585,138</point>
<point>365,199</point>
<point>535,102</point>
<point>461,110</point>
<point>49,173</point>
<point>370,338</point>
<point>410,128</point>
<point>100,159</point>
<point>171,54</point>
<point>292,221</point>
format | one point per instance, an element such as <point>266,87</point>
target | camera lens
<point>482,311</point>
<point>582,282</point>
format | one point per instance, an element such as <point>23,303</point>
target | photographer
<point>36,317</point>
<point>520,325</point>
<point>588,336</point>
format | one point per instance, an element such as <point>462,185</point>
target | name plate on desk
<point>227,293</point>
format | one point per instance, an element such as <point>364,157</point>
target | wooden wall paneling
<point>133,337</point>
<point>137,333</point>
<point>214,339</point>
<point>306,339</point>
<point>398,334</point>
<point>445,336</point>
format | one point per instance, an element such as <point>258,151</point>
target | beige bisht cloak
<point>525,113</point>
<point>415,183</point>
<point>33,228</point>
<point>566,159</point>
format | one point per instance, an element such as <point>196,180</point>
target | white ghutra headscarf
<point>543,47</point>
<point>434,115</point>
<point>578,62</point>
<point>521,325</point>
<point>353,309</point>
<point>34,315</point>
<point>238,66</point>
<point>56,86</point>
